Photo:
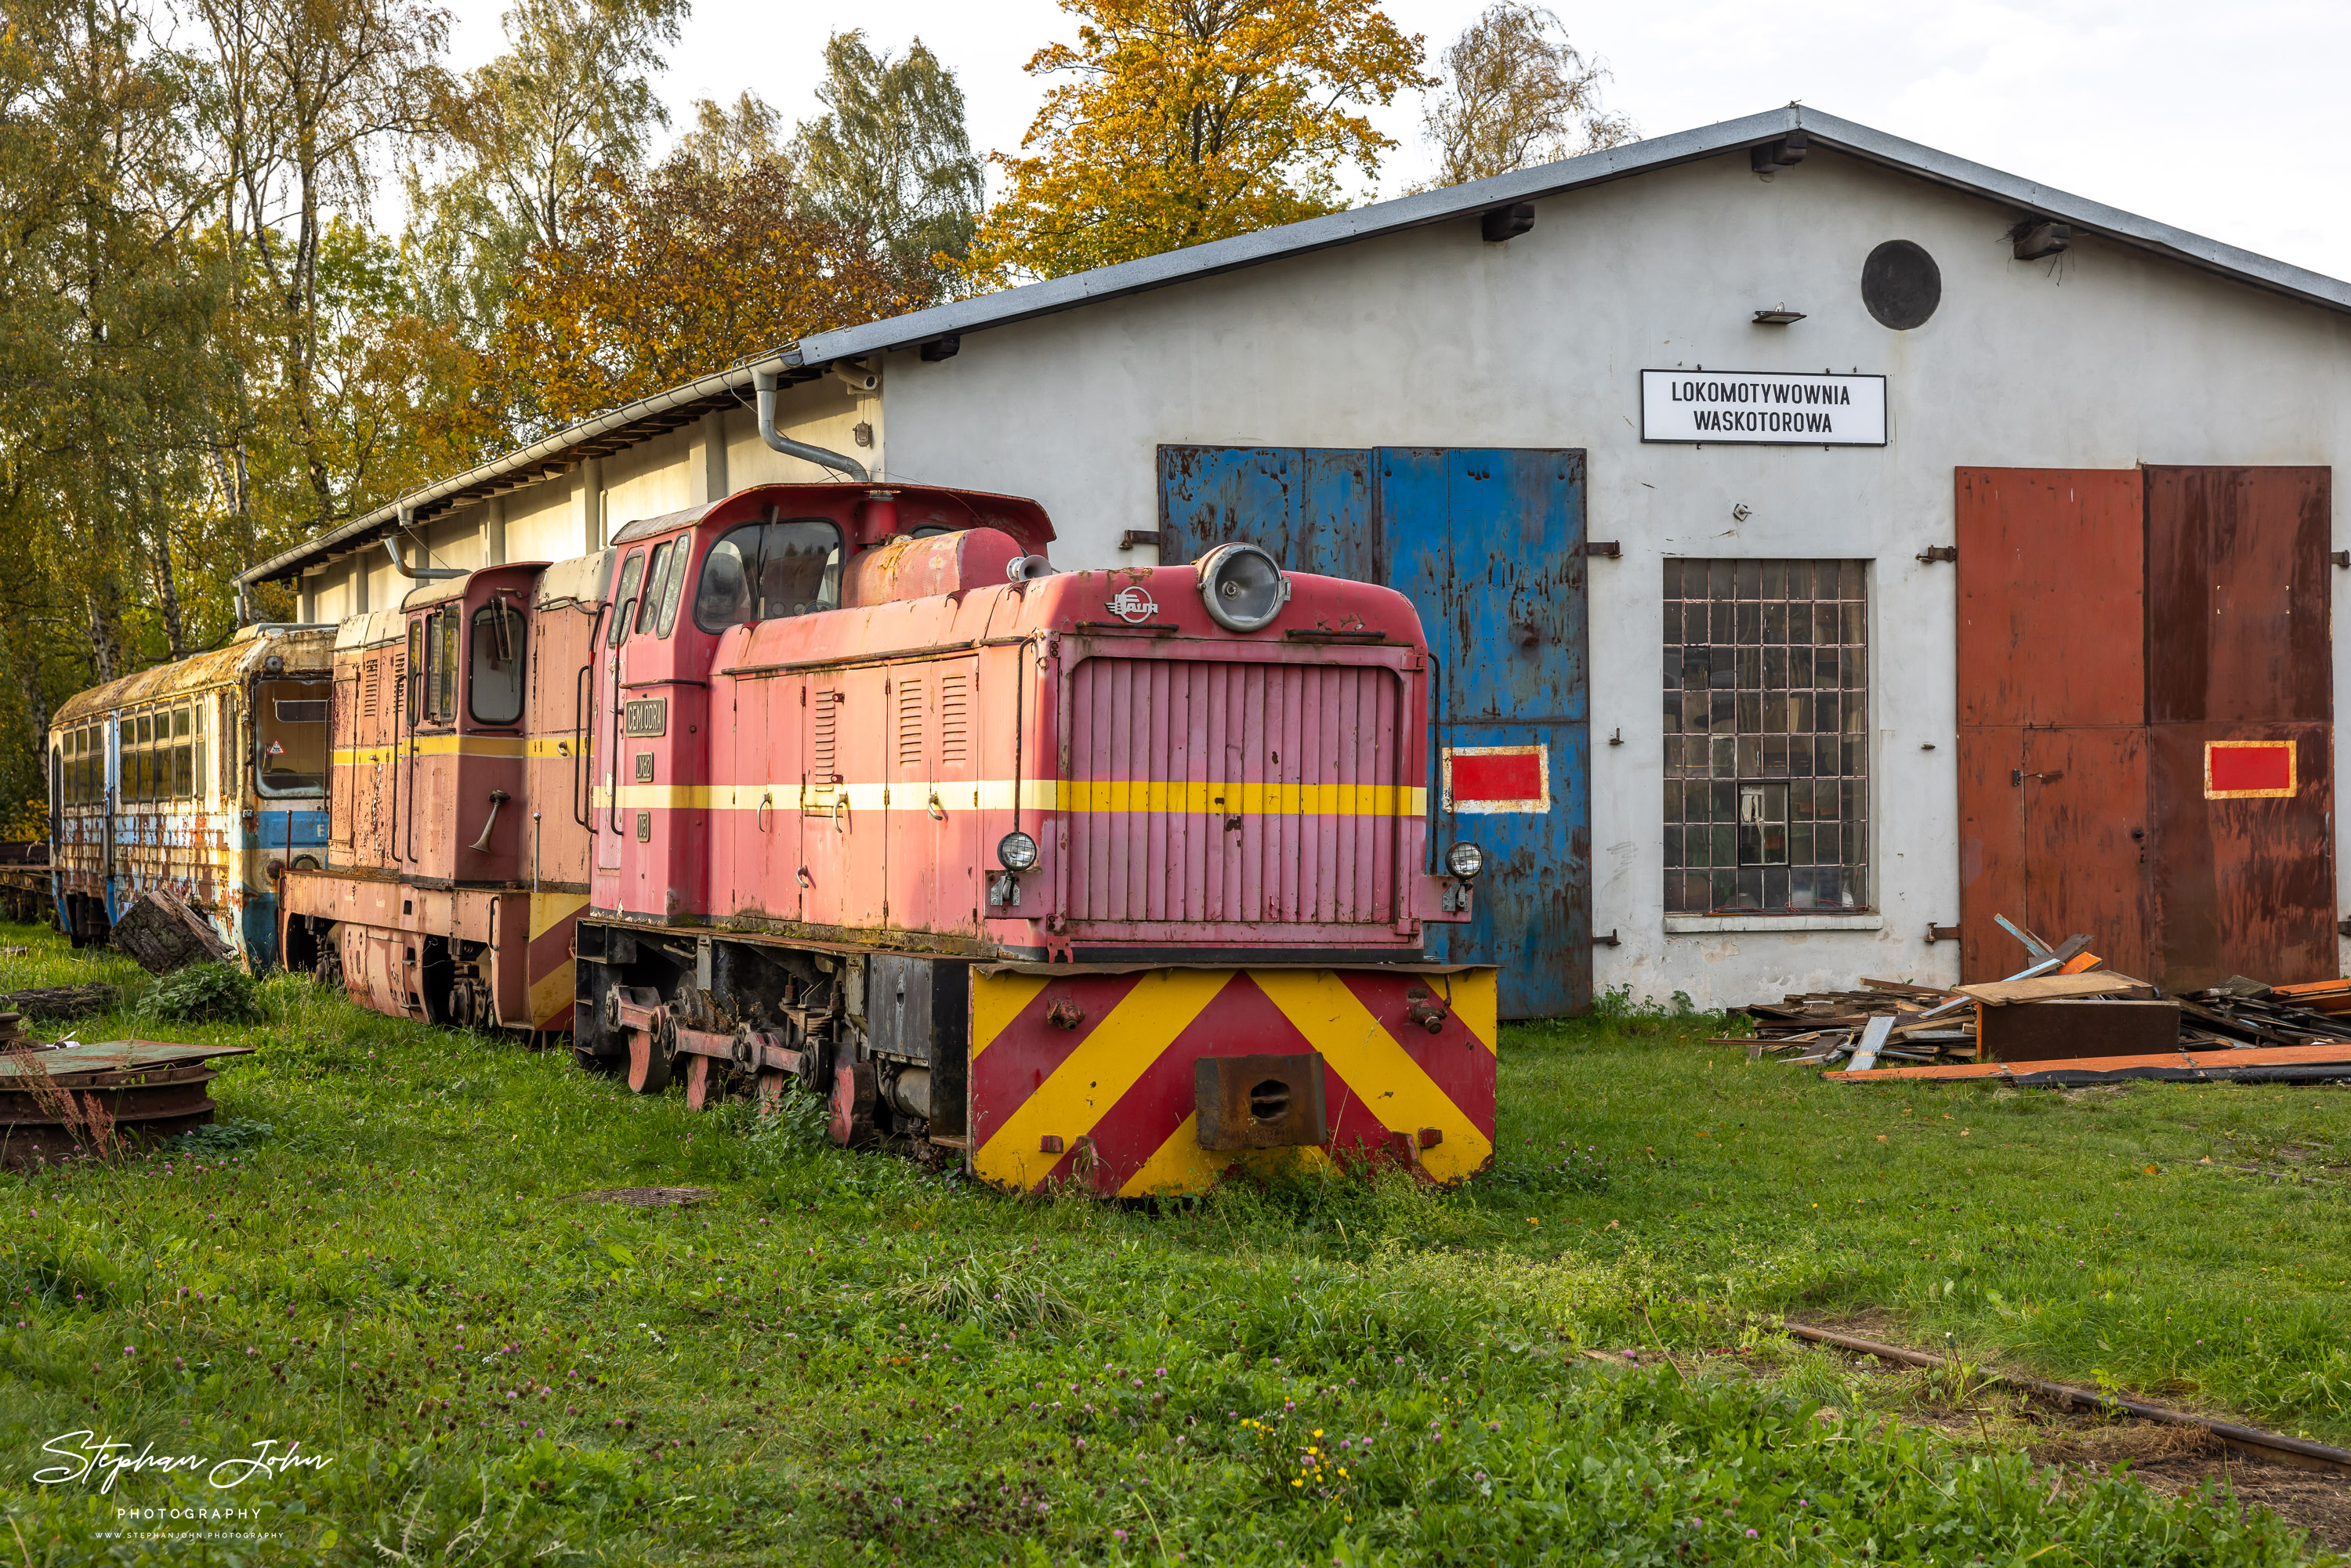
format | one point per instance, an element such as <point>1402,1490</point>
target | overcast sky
<point>2229,121</point>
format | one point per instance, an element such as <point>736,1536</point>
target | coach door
<point>1488,545</point>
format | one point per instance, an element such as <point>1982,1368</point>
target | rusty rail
<point>2250,1440</point>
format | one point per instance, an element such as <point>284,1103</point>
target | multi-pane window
<point>1767,737</point>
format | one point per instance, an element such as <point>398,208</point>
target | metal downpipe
<point>765,381</point>
<point>414,573</point>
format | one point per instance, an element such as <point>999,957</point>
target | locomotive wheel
<point>703,1083</point>
<point>854,1087</point>
<point>774,1085</point>
<point>648,1071</point>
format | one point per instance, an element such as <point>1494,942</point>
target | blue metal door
<point>1488,546</point>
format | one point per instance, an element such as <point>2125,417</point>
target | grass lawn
<point>380,1253</point>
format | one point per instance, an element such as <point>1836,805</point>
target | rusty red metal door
<point>2052,702</point>
<point>2240,696</point>
<point>2145,708</point>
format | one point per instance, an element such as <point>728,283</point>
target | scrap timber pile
<point>2062,1019</point>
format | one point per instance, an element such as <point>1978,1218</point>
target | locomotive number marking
<point>645,827</point>
<point>646,715</point>
<point>644,766</point>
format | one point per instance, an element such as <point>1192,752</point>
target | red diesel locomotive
<point>1103,876</point>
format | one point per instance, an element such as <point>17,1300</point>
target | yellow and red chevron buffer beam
<point>1091,1077</point>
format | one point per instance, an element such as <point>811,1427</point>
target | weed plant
<point>382,1252</point>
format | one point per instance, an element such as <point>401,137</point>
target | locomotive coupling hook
<point>498,798</point>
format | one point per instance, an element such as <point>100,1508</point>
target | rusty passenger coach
<point>203,778</point>
<point>1102,877</point>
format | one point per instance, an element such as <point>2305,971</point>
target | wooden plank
<point>1933,993</point>
<point>2207,1061</point>
<point>2046,988</point>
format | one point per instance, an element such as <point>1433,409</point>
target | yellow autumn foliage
<point>1186,121</point>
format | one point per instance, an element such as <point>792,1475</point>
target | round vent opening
<point>1901,284</point>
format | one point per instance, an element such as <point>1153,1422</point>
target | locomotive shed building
<point>1831,543</point>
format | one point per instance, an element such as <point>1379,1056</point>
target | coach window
<point>765,571</point>
<point>143,776</point>
<point>633,572</point>
<point>1767,740</point>
<point>183,772</point>
<point>289,733</point>
<point>196,774</point>
<point>494,682</point>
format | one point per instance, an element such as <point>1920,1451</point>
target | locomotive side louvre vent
<point>1227,791</point>
<point>370,689</point>
<point>953,717</point>
<point>823,720</point>
<point>910,723</point>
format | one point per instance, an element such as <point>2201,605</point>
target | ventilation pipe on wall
<point>764,380</point>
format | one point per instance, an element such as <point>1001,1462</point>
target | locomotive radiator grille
<point>1216,793</point>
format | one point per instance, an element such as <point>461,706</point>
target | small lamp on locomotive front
<point>1465,860</point>
<point>1016,852</point>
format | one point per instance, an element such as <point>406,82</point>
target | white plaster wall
<point>2106,358</point>
<point>553,519</point>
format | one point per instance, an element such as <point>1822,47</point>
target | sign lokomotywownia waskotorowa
<point>1763,407</point>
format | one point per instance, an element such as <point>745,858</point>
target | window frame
<point>624,597</point>
<point>326,751</point>
<point>1768,771</point>
<point>756,569</point>
<point>497,606</point>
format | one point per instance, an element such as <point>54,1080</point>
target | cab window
<point>764,571</point>
<point>656,583</point>
<point>432,667</point>
<point>674,592</point>
<point>633,572</point>
<point>496,679</point>
<point>289,736</point>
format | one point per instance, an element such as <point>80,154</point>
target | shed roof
<point>808,357</point>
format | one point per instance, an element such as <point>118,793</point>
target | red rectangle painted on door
<point>2248,769</point>
<point>1515,774</point>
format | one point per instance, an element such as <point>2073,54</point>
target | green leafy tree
<point>890,161</point>
<point>1191,120</point>
<point>522,140</point>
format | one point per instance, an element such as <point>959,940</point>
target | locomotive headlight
<point>1465,860</point>
<point>1243,586</point>
<point>1016,851</point>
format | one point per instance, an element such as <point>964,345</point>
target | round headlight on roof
<point>1243,586</point>
<point>1016,851</point>
<point>1465,860</point>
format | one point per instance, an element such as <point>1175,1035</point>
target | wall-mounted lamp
<point>2036,238</point>
<point>1778,316</point>
<point>1500,224</point>
<point>1785,152</point>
